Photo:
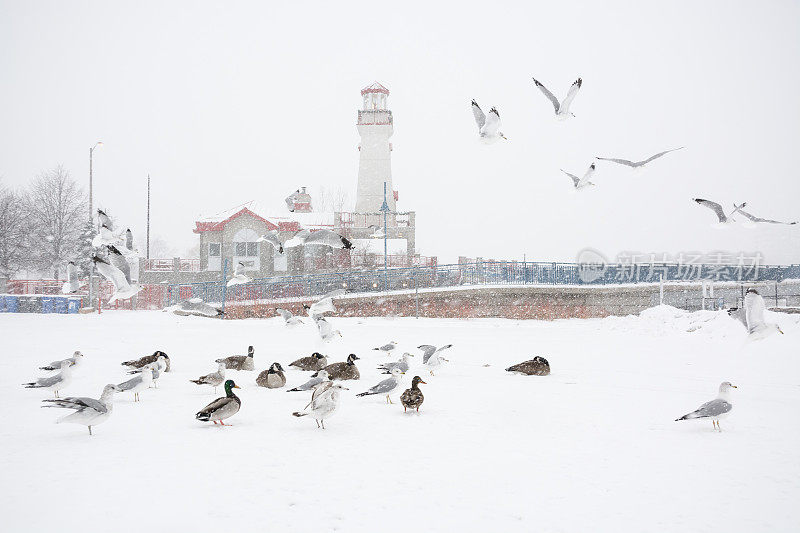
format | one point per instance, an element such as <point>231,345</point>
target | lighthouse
<point>375,163</point>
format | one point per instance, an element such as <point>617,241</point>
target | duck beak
<point>236,387</point>
<point>734,386</point>
<point>424,382</point>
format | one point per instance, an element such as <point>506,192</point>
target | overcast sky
<point>226,102</point>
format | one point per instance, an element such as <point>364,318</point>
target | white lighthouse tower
<point>375,163</point>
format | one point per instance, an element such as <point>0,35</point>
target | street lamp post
<point>385,209</point>
<point>91,218</point>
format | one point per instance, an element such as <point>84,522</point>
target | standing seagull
<point>755,219</point>
<point>562,108</point>
<point>387,386</point>
<point>54,383</point>
<point>88,411</point>
<point>138,383</point>
<point>488,128</point>
<point>638,164</point>
<point>214,379</point>
<point>239,276</point>
<point>715,409</point>
<point>323,404</point>
<point>147,359</point>
<point>401,364</point>
<point>717,208</point>
<point>76,358</point>
<point>387,348</point>
<point>321,376</point>
<point>753,316</point>
<point>73,284</point>
<point>581,183</point>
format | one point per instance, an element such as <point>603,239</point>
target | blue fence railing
<point>484,273</point>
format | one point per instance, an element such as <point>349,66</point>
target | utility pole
<point>148,215</point>
<point>385,209</point>
<point>91,219</point>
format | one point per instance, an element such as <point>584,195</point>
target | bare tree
<point>57,212</point>
<point>14,242</point>
<point>327,200</point>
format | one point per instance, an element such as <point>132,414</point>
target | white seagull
<point>324,304</point>
<point>387,386</point>
<point>488,127</point>
<point>75,360</point>
<point>87,411</point>
<point>214,379</point>
<point>387,348</point>
<point>106,235</point>
<point>755,219</point>
<point>717,209</point>
<point>561,108</point>
<point>290,200</point>
<point>715,409</point>
<point>638,164</point>
<point>288,317</point>
<point>324,402</point>
<point>435,360</point>
<point>323,237</point>
<point>54,383</point>
<point>272,238</point>
<point>138,383</point>
<point>326,331</point>
<point>239,276</point>
<point>115,268</point>
<point>321,376</point>
<point>753,316</point>
<point>401,364</point>
<point>581,183</point>
<point>428,350</point>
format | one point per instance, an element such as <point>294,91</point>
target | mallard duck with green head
<point>221,408</point>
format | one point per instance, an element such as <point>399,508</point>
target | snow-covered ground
<point>593,447</point>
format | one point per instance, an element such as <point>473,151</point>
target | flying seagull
<point>239,276</point>
<point>288,317</point>
<point>115,268</point>
<point>715,409</point>
<point>638,164</point>
<point>324,237</point>
<point>753,316</point>
<point>197,307</point>
<point>581,183</point>
<point>324,304</point>
<point>562,108</point>
<point>272,238</point>
<point>290,200</point>
<point>105,235</point>
<point>326,331</point>
<point>488,128</point>
<point>757,220</point>
<point>717,208</point>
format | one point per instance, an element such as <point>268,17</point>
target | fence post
<point>416,294</point>
<point>224,285</point>
<point>661,289</point>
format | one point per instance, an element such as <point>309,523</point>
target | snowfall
<point>592,447</point>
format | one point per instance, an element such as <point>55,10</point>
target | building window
<point>214,249</point>
<point>240,249</point>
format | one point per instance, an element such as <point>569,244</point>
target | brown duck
<point>343,371</point>
<point>272,378</point>
<point>316,361</point>
<point>538,366</point>
<point>412,398</point>
<point>147,359</point>
<point>239,362</point>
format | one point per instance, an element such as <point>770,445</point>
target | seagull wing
<point>480,117</point>
<point>323,326</point>
<point>492,123</point>
<point>112,274</point>
<point>754,311</point>
<point>712,409</point>
<point>550,96</point>
<point>104,220</point>
<point>284,313</point>
<point>79,404</point>
<point>573,91</point>
<point>575,179</point>
<point>327,237</point>
<point>387,385</point>
<point>587,176</point>
<point>658,155</point>
<point>714,206</point>
<point>118,260</point>
<point>620,161</point>
<point>427,351</point>
<point>761,220</point>
<point>272,238</point>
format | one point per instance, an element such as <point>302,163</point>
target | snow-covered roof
<point>285,221</point>
<point>374,88</point>
<point>375,246</point>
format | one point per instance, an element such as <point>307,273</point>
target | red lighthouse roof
<point>374,88</point>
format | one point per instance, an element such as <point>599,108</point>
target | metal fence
<point>479,273</point>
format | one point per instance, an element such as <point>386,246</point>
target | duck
<point>344,370</point>
<point>315,380</point>
<point>401,363</point>
<point>76,359</point>
<point>147,359</point>
<point>139,383</point>
<point>538,366</point>
<point>412,398</point>
<point>87,411</point>
<point>272,378</point>
<point>315,361</point>
<point>221,408</point>
<point>156,368</point>
<point>214,379</point>
<point>324,402</point>
<point>387,386</point>
<point>239,362</point>
<point>54,383</point>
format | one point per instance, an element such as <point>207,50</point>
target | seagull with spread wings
<point>717,209</point>
<point>562,107</point>
<point>581,183</point>
<point>638,164</point>
<point>115,268</point>
<point>757,220</point>
<point>488,127</point>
